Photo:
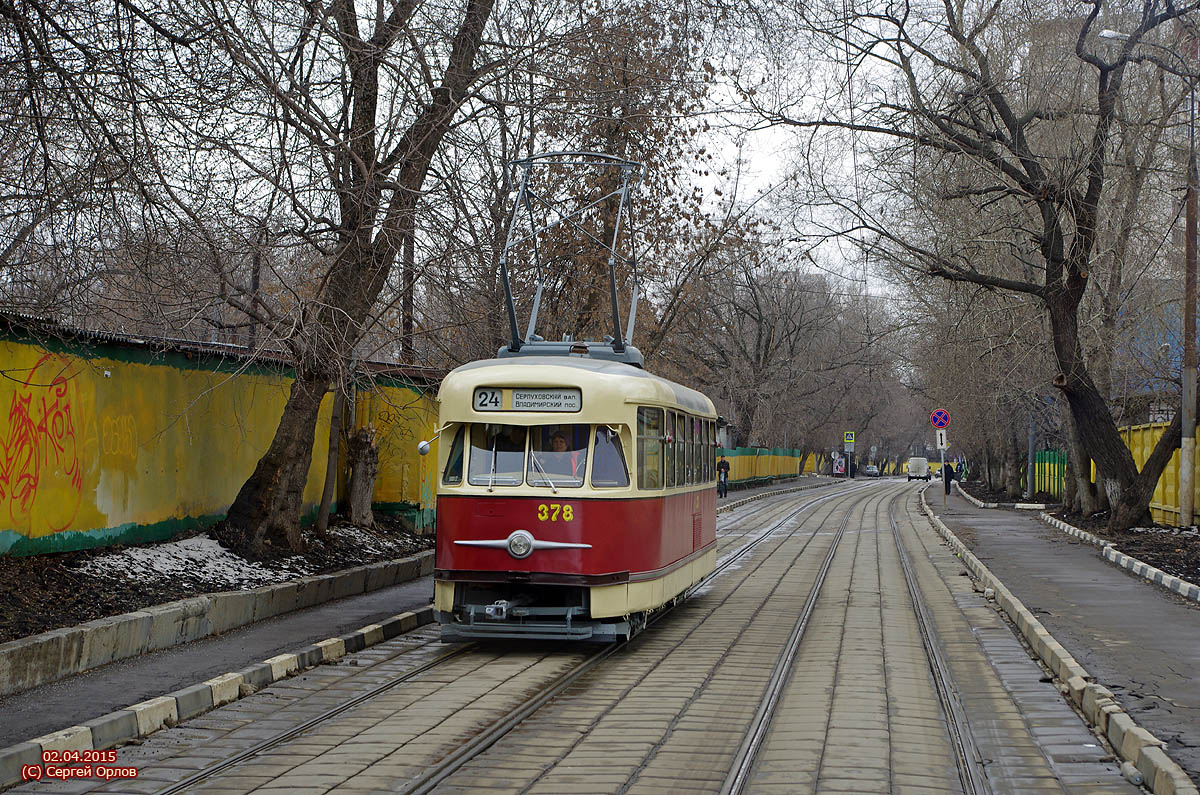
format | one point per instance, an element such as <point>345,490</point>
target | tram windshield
<point>608,461</point>
<point>497,455</point>
<point>557,455</point>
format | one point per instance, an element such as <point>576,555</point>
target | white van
<point>918,469</point>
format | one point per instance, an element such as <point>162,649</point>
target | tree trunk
<point>363,455</point>
<point>1128,490</point>
<point>1012,465</point>
<point>1084,496</point>
<point>267,509</point>
<point>321,526</point>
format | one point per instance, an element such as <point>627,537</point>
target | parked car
<point>918,468</point>
<point>871,471</point>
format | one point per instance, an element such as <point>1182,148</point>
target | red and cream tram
<point>576,496</point>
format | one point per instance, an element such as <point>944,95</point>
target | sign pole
<point>943,452</point>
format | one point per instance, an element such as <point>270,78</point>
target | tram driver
<point>558,459</point>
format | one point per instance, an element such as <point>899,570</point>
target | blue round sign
<point>940,418</point>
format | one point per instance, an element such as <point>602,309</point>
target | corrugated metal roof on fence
<point>34,324</point>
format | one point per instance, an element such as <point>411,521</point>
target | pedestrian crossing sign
<point>848,437</point>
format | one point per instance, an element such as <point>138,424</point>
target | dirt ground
<point>45,592</point>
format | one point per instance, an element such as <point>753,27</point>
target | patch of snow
<point>196,560</point>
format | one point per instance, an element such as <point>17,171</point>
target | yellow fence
<point>103,443</point>
<point>749,464</point>
<point>402,416</point>
<point>1164,505</point>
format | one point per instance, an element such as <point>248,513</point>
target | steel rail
<point>970,764</point>
<point>456,759</point>
<point>284,736</point>
<point>739,774</point>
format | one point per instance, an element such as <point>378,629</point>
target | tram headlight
<point>520,544</point>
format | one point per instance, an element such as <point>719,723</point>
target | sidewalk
<point>115,686</point>
<point>1136,639</point>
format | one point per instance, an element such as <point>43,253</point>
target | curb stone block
<point>225,688</point>
<point>192,701</point>
<point>257,676</point>
<point>331,649</point>
<point>306,592</point>
<point>262,597</point>
<point>72,738</point>
<point>1093,693</point>
<point>372,634</point>
<point>1107,711</point>
<point>380,575</point>
<point>1135,739</point>
<point>99,642</point>
<point>281,665</point>
<point>166,626</point>
<point>1075,686</point>
<point>14,757</point>
<point>1118,724</point>
<point>154,713</point>
<point>427,560</point>
<point>308,656</point>
<point>112,729</point>
<point>230,610</point>
<point>1162,776</point>
<point>281,599</point>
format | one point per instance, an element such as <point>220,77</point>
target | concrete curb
<point>731,505</point>
<point>1020,506</point>
<point>147,717</point>
<point>1156,576</point>
<point>978,503</point>
<point>39,659</point>
<point>1134,744</point>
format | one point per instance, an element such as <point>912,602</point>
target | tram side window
<point>712,453</point>
<point>687,450</point>
<point>709,460</point>
<point>608,461</point>
<point>557,455</point>
<point>453,473</point>
<point>669,448</point>
<point>497,455</point>
<point>650,458</point>
<point>697,446</point>
<point>680,458</point>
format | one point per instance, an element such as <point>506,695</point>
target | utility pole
<point>1030,466</point>
<point>1187,445</point>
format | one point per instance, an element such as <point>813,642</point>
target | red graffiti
<point>41,446</point>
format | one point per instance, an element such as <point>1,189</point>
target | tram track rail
<point>970,764</point>
<point>278,739</point>
<point>744,759</point>
<point>971,773</point>
<point>456,759</point>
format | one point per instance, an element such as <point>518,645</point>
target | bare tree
<point>1027,161</point>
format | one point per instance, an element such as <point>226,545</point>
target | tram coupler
<point>501,608</point>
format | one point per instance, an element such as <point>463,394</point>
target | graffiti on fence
<point>41,474</point>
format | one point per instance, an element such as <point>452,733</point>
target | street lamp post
<point>1187,442</point>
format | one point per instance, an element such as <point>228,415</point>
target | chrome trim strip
<point>502,543</point>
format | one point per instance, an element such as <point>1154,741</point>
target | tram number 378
<point>554,512</point>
